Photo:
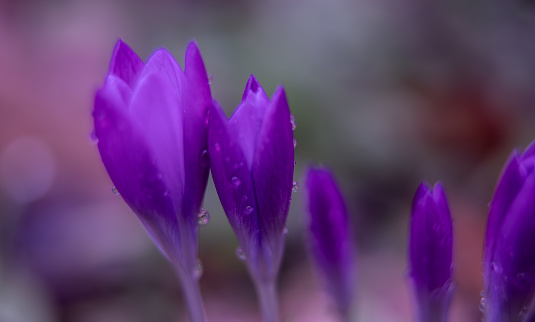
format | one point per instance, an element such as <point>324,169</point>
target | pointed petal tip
<point>252,87</point>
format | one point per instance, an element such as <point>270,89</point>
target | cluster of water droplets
<point>203,217</point>
<point>210,79</point>
<point>114,191</point>
<point>295,186</point>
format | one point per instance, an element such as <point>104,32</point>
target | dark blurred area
<point>387,93</point>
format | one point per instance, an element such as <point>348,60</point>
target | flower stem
<point>192,295</point>
<point>267,295</point>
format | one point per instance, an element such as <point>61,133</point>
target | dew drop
<point>203,217</point>
<point>217,147</point>
<point>483,304</point>
<point>295,143</point>
<point>114,191</point>
<point>240,254</point>
<point>235,182</point>
<point>295,186</point>
<point>210,79</point>
<point>292,120</point>
<point>93,137</point>
<point>248,210</point>
<point>204,158</point>
<point>198,270</point>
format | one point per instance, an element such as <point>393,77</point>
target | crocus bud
<point>150,122</point>
<point>430,253</point>
<point>329,237</point>
<point>508,260</point>
<point>252,161</point>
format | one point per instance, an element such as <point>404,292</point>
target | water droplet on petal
<point>248,210</point>
<point>198,270</point>
<point>235,182</point>
<point>483,304</point>
<point>240,254</point>
<point>292,120</point>
<point>217,147</point>
<point>114,191</point>
<point>204,158</point>
<point>295,143</point>
<point>203,217</point>
<point>210,79</point>
<point>295,186</point>
<point>93,137</point>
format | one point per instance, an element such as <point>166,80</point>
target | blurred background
<point>386,93</point>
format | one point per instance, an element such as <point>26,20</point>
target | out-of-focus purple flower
<point>509,253</point>
<point>252,161</point>
<point>430,253</point>
<point>150,122</point>
<point>330,238</point>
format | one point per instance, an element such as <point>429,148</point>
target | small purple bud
<point>330,238</point>
<point>430,253</point>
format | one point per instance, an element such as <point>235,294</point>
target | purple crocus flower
<point>330,238</point>
<point>508,259</point>
<point>150,122</point>
<point>430,253</point>
<point>252,161</point>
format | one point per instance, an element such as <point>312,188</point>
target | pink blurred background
<point>386,93</point>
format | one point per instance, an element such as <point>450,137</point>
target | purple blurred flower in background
<point>150,122</point>
<point>330,238</point>
<point>430,253</point>
<point>252,160</point>
<point>509,259</point>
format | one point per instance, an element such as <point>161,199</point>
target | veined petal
<point>233,182</point>
<point>272,174</point>
<point>330,239</point>
<point>156,111</point>
<point>247,120</point>
<point>129,162</point>
<point>125,63</point>
<point>197,101</point>
<point>510,182</point>
<point>162,61</point>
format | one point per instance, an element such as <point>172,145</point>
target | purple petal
<point>233,182</point>
<point>162,61</point>
<point>254,91</point>
<point>430,251</point>
<point>510,182</point>
<point>125,63</point>
<point>197,101</point>
<point>248,118</point>
<point>512,275</point>
<point>330,237</point>
<point>129,162</point>
<point>156,112</point>
<point>272,173</point>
